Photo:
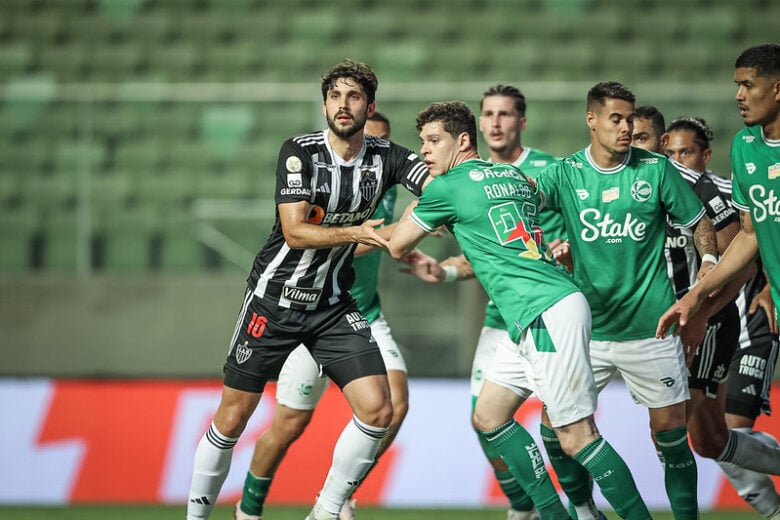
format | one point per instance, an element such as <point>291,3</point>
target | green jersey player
<point>492,210</point>
<point>615,201</point>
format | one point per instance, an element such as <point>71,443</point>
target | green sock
<point>518,498</point>
<point>614,479</point>
<point>679,472</point>
<point>255,491</point>
<point>575,480</point>
<point>521,454</point>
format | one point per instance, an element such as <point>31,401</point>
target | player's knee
<point>231,422</point>
<point>483,422</point>
<point>293,425</point>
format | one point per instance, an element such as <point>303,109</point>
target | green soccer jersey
<point>755,164</point>
<point>616,219</point>
<point>492,210</point>
<point>364,288</point>
<point>531,162</point>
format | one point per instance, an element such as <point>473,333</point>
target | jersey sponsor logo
<point>476,175</point>
<point>679,242</point>
<point>315,216</point>
<point>596,226</point>
<point>750,167</point>
<point>294,180</point>
<point>348,217</point>
<point>752,366</point>
<point>583,194</point>
<point>539,163</point>
<point>748,138</point>
<point>667,381</point>
<point>295,191</point>
<point>717,204</point>
<point>641,191</point>
<point>301,294</point>
<point>765,204</point>
<point>356,321</point>
<point>649,160</point>
<point>325,188</point>
<point>610,194</point>
<point>774,171</point>
<point>293,164</point>
<point>243,353</point>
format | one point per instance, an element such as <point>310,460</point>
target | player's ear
<point>371,109</point>
<point>590,120</point>
<point>664,140</point>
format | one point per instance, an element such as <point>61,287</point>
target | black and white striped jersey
<point>682,259</point>
<point>753,327</point>
<point>341,194</point>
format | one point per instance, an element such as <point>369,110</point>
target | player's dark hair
<point>600,92</point>
<point>379,117</point>
<point>654,115</point>
<point>764,58</point>
<point>507,91</point>
<point>703,134</point>
<point>455,116</point>
<point>360,72</point>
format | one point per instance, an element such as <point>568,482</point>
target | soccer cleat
<point>514,514</point>
<point>318,513</point>
<point>238,514</point>
<point>348,510</point>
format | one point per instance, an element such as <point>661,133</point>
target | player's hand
<point>705,268</point>
<point>465,270</point>
<point>561,250</point>
<point>423,266</point>
<point>764,299</point>
<point>692,335</point>
<point>366,234</point>
<point>677,315</point>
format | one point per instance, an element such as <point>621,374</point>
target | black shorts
<point>710,365</point>
<point>338,337</point>
<point>750,378</point>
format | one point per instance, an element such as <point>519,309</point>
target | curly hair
<point>455,116</point>
<point>703,134</point>
<point>360,72</point>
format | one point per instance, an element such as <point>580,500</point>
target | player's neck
<point>606,158</point>
<point>508,156</point>
<point>465,156</point>
<point>346,148</point>
<point>772,130</point>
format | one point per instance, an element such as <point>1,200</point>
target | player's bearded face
<point>344,123</point>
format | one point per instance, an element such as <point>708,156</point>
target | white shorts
<point>653,369</point>
<point>489,339</point>
<point>300,385</point>
<point>557,366</point>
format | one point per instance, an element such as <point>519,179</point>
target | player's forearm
<point>384,232</point>
<point>310,236</point>
<point>738,256</point>
<point>704,238</point>
<point>714,304</point>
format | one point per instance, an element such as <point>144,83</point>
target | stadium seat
<point>15,60</point>
<point>17,229</point>
<point>224,128</point>
<point>129,236</point>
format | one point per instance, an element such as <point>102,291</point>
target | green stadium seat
<point>17,230</point>
<point>403,61</point>
<point>40,28</point>
<point>172,188</point>
<point>120,12</point>
<point>181,249</point>
<point>66,239</point>
<point>67,62</point>
<point>176,62</point>
<point>228,184</point>
<point>128,238</point>
<point>139,156</point>
<point>115,62</point>
<point>230,62</point>
<point>225,128</point>
<point>15,60</point>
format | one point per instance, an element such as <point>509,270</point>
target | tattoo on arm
<point>704,237</point>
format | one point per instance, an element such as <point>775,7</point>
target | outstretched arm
<point>300,233</point>
<point>737,257</point>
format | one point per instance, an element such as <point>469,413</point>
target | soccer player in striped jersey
<point>493,211</point>
<point>745,456</point>
<point>300,385</point>
<point>615,201</point>
<point>328,184</point>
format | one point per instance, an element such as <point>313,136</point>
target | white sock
<point>587,511</point>
<point>210,468</point>
<point>757,489</point>
<point>751,452</point>
<point>352,457</point>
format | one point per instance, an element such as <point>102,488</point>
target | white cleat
<point>238,514</point>
<point>348,510</point>
<point>514,514</point>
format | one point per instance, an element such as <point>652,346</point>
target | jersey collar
<point>607,171</point>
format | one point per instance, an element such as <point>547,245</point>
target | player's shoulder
<point>691,176</point>
<point>309,139</point>
<point>540,159</point>
<point>748,135</point>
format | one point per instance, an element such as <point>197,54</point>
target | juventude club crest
<point>641,191</point>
